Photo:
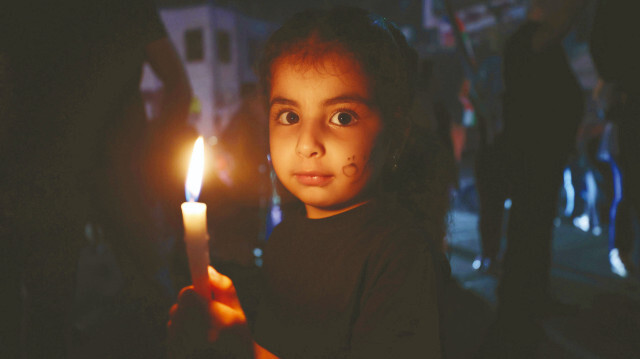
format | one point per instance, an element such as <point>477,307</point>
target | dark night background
<point>607,324</point>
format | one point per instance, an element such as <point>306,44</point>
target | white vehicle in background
<point>219,48</point>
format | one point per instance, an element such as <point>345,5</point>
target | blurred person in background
<point>613,36</point>
<point>73,155</point>
<point>239,204</point>
<point>543,106</point>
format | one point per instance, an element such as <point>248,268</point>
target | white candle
<point>194,216</point>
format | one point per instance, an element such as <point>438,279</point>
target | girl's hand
<point>224,309</point>
<point>196,324</point>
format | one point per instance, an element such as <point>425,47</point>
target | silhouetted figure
<point>493,187</point>
<point>239,204</point>
<point>543,107</point>
<point>490,170</point>
<point>71,154</point>
<point>612,40</point>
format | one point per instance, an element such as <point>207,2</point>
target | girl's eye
<point>342,119</point>
<point>288,118</point>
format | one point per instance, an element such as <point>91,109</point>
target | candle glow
<point>193,184</point>
<point>194,216</point>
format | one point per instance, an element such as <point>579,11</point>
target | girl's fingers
<point>219,281</point>
<point>189,312</point>
<point>186,293</point>
<point>224,317</point>
<point>223,289</point>
<point>195,323</point>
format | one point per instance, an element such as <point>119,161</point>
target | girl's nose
<point>310,142</point>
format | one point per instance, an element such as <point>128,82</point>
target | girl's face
<point>323,129</point>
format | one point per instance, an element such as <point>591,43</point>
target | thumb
<point>223,289</point>
<point>224,317</point>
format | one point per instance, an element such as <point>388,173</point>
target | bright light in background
<point>196,169</point>
<point>257,254</point>
<point>617,266</point>
<point>571,193</point>
<point>276,215</point>
<point>477,263</point>
<point>582,222</point>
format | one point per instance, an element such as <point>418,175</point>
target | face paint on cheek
<point>350,170</point>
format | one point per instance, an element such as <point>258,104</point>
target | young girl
<point>355,270</point>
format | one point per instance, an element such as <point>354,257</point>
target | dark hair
<point>375,42</point>
<point>390,63</point>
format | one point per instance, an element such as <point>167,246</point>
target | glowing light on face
<point>323,129</point>
<point>196,170</point>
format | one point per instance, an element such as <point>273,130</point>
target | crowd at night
<point>320,179</point>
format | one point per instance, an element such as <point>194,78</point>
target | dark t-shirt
<point>361,284</point>
<point>543,99</point>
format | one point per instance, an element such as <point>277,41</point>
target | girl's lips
<point>313,179</point>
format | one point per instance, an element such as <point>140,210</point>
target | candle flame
<point>196,169</point>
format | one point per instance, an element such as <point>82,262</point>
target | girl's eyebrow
<point>282,101</point>
<point>348,98</point>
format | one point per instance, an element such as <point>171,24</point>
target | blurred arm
<point>556,25</point>
<point>166,64</point>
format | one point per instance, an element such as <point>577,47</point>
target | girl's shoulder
<point>396,228</point>
<point>402,241</point>
<point>393,215</point>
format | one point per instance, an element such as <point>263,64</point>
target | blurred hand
<point>196,325</point>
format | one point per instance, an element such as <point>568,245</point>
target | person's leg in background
<point>629,164</point>
<point>527,261</point>
<point>523,292</point>
<point>492,193</point>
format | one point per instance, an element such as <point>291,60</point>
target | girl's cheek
<point>353,167</point>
